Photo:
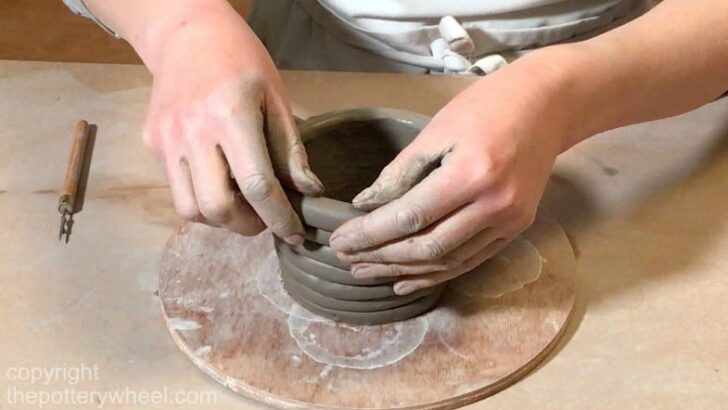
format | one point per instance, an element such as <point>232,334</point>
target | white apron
<point>428,36</point>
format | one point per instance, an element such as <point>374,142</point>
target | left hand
<point>495,143</point>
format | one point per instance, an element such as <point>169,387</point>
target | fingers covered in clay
<point>287,152</point>
<point>493,162</point>
<point>217,198</point>
<point>415,283</point>
<point>450,261</point>
<point>215,109</point>
<point>250,164</point>
<point>404,172</point>
<point>200,195</point>
<point>432,244</point>
<point>413,212</point>
<point>180,185</point>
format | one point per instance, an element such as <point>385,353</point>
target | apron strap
<point>454,48</point>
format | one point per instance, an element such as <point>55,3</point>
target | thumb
<point>287,151</point>
<point>410,167</point>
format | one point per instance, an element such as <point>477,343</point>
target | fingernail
<point>315,181</point>
<point>344,257</point>
<point>294,240</point>
<point>361,271</point>
<point>339,243</point>
<point>404,289</point>
<point>363,196</point>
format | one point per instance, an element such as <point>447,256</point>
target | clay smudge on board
<point>514,267</point>
<point>606,169</point>
<point>203,350</point>
<point>363,347</point>
<point>355,347</point>
<point>371,347</point>
<point>178,323</point>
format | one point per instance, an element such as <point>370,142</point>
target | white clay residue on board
<point>514,267</point>
<point>203,351</point>
<point>270,287</point>
<point>178,323</point>
<point>355,347</point>
<point>371,347</point>
<point>339,344</point>
<point>444,323</point>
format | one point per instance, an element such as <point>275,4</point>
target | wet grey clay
<point>347,150</point>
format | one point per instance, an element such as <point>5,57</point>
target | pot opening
<point>349,155</point>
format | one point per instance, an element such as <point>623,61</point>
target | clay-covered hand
<point>465,187</point>
<point>221,123</point>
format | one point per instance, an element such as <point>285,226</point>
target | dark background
<point>46,30</point>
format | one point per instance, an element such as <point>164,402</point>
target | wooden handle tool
<point>67,201</point>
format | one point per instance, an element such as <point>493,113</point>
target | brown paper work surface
<point>646,209</point>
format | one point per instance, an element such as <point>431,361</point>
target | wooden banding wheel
<point>226,309</point>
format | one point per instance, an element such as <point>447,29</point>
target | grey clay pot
<point>347,150</point>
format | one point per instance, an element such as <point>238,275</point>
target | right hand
<point>221,123</point>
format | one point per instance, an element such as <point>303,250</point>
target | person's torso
<point>411,29</point>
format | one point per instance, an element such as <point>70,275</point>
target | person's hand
<point>221,123</point>
<point>495,144</point>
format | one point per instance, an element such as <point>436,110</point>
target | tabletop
<point>644,207</point>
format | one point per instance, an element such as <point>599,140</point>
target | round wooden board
<point>226,309</point>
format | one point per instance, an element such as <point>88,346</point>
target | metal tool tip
<point>61,230</point>
<point>66,223</point>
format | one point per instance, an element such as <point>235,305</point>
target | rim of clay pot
<point>327,213</point>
